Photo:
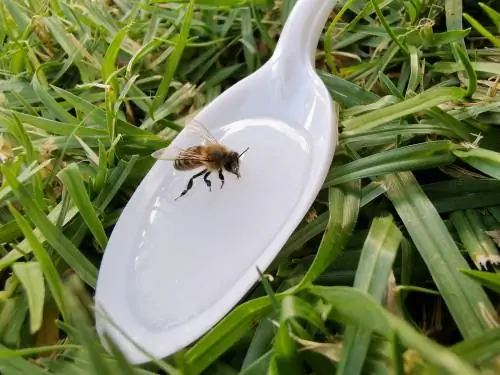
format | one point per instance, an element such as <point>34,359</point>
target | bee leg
<point>221,178</point>
<point>190,183</point>
<point>207,181</point>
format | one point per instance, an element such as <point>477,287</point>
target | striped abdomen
<point>190,158</point>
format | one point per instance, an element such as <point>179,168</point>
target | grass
<point>393,270</point>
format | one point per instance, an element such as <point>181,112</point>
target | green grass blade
<point>391,132</point>
<point>372,275</point>
<point>49,270</point>
<point>24,246</point>
<point>56,28</point>
<point>428,99</point>
<point>122,364</point>
<point>31,277</point>
<point>294,307</point>
<point>9,232</point>
<point>55,127</point>
<point>259,366</point>
<point>85,333</point>
<point>381,103</point>
<point>416,156</point>
<point>387,28</point>
<point>82,266</point>
<point>461,56</point>
<point>355,307</point>
<point>21,134</point>
<point>37,350</point>
<point>108,68</point>
<point>114,183</point>
<point>448,196</point>
<point>317,226</point>
<point>482,30</point>
<point>465,300</point>
<point>343,205</point>
<point>471,231</point>
<point>18,366</point>
<point>73,182</point>
<point>486,161</point>
<point>481,349</point>
<point>397,358</point>
<point>453,10</point>
<point>271,43</point>
<point>263,335</point>
<point>329,35</point>
<point>304,234</point>
<point>32,157</point>
<point>173,60</point>
<point>20,18</point>
<point>452,67</point>
<point>12,318</point>
<point>488,279</point>
<point>102,172</point>
<point>226,333</point>
<point>57,110</point>
<point>285,359</point>
<point>492,14</point>
<point>347,92</point>
<point>248,40</point>
<point>285,355</point>
<point>260,343</point>
<point>415,75</point>
<point>390,86</point>
<point>459,128</point>
<point>92,112</point>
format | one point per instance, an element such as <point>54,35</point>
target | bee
<point>213,157</point>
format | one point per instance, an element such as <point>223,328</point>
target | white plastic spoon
<point>174,268</point>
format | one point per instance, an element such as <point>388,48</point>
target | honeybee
<point>214,157</point>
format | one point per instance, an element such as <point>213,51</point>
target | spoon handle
<point>300,35</point>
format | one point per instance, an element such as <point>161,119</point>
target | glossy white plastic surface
<point>173,269</point>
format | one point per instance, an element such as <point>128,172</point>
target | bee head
<point>232,163</point>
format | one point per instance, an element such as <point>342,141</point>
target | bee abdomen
<point>184,162</point>
<point>184,165</point>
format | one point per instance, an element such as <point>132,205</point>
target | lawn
<point>394,270</point>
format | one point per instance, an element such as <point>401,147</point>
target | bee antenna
<point>239,156</point>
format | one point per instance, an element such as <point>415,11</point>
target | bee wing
<point>197,127</point>
<point>177,153</point>
<point>167,153</point>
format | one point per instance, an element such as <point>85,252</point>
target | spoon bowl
<point>173,268</point>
